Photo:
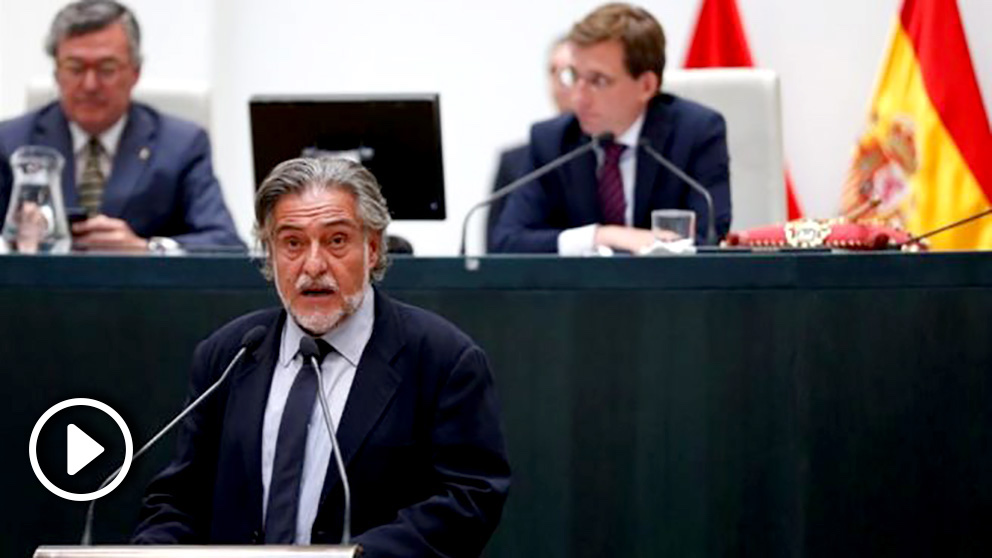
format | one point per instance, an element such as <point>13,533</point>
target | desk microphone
<point>710,217</point>
<point>593,144</point>
<point>954,225</point>
<point>249,342</point>
<point>309,350</point>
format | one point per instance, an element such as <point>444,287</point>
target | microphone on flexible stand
<point>954,225</point>
<point>249,342</point>
<point>710,217</point>
<point>594,144</point>
<point>310,352</point>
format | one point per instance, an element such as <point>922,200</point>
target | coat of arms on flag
<point>885,160</point>
<point>924,162</point>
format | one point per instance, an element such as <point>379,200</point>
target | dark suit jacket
<point>161,182</point>
<point>420,437</point>
<point>692,136</point>
<point>513,163</point>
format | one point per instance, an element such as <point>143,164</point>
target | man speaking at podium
<point>618,57</point>
<point>419,421</point>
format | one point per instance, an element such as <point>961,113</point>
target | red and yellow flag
<point>719,41</point>
<point>926,159</point>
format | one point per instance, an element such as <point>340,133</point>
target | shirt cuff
<point>164,246</point>
<point>580,241</point>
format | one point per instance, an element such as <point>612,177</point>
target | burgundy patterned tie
<point>611,185</point>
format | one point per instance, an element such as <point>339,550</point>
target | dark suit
<point>420,436</point>
<point>513,163</point>
<point>161,181</point>
<point>692,136</point>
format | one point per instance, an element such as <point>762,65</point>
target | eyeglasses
<point>106,70</point>
<point>596,81</point>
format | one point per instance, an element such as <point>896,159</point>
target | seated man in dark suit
<point>144,179</point>
<point>418,421</point>
<point>515,162</point>
<point>618,60</point>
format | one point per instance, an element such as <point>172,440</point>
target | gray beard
<point>319,324</point>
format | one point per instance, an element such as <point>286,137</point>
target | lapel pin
<point>144,153</point>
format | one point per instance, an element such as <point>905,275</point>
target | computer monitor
<point>397,137</point>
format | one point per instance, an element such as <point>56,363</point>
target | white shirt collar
<point>633,133</point>
<point>109,139</point>
<point>348,337</point>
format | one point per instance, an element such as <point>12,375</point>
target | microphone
<point>710,217</point>
<point>594,144</point>
<point>249,342</point>
<point>309,350</point>
<point>954,225</point>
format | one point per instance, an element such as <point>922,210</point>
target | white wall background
<point>486,59</point>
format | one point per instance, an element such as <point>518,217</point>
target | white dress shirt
<point>580,241</point>
<point>348,339</point>
<point>109,140</point>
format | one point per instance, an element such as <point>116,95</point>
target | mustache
<point>94,99</point>
<point>305,282</point>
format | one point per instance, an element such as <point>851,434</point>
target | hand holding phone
<point>75,214</point>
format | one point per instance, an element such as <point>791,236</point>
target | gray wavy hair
<point>86,16</point>
<point>297,175</point>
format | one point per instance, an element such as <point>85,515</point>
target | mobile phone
<point>75,214</point>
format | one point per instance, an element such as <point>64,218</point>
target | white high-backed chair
<point>189,101</point>
<point>749,101</point>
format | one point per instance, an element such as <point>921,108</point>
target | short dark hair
<point>87,16</point>
<point>640,33</point>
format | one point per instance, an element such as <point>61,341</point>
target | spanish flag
<point>719,41</point>
<point>925,160</point>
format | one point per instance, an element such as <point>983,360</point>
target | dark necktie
<point>92,180</point>
<point>611,199</point>
<point>287,467</point>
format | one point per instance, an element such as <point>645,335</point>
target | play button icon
<point>81,450</point>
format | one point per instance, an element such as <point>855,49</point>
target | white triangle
<point>80,449</point>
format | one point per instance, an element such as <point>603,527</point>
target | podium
<point>205,551</point>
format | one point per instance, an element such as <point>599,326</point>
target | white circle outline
<point>33,449</point>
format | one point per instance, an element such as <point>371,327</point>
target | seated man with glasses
<point>140,180</point>
<point>605,200</point>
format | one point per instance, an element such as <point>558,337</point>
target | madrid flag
<point>925,159</point>
<point>719,41</point>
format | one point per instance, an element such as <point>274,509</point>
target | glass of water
<point>674,226</point>
<point>35,220</point>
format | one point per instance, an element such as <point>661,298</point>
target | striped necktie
<point>92,181</point>
<point>610,188</point>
